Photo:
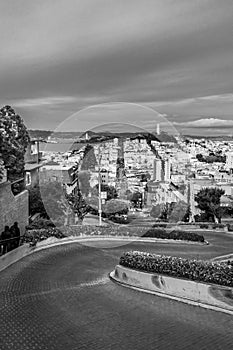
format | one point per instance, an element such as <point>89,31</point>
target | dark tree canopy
<point>14,139</point>
<point>211,158</point>
<point>84,182</point>
<point>48,199</point>
<point>178,212</point>
<point>89,160</point>
<point>111,191</point>
<point>208,200</point>
<point>78,205</point>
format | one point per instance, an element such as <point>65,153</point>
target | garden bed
<point>196,270</point>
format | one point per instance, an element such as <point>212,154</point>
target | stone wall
<point>13,208</point>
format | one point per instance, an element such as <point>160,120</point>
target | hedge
<point>174,234</point>
<point>196,270</point>
<point>37,235</point>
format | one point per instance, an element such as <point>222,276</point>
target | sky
<point>173,56</point>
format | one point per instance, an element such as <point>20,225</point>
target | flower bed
<point>197,270</point>
<point>174,234</point>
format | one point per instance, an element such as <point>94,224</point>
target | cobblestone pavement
<point>62,298</point>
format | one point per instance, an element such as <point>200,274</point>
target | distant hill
<point>40,134</point>
<point>214,138</point>
<point>60,135</point>
<point>100,136</point>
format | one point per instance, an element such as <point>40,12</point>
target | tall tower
<point>158,129</point>
<point>167,170</point>
<point>158,171</point>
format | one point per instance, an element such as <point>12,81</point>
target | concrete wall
<point>208,294</point>
<point>13,208</point>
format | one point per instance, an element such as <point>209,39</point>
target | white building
<point>162,170</point>
<point>229,161</point>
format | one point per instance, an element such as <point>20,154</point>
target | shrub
<point>218,226</point>
<point>174,234</point>
<point>120,219</point>
<point>159,225</point>
<point>40,223</point>
<point>38,235</point>
<point>196,270</point>
<point>205,226</point>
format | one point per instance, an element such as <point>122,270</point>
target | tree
<point>89,160</point>
<point>48,199</point>
<point>14,139</point>
<point>78,205</point>
<point>136,199</point>
<point>208,200</point>
<point>111,191</point>
<point>84,182</point>
<point>156,211</point>
<point>178,212</point>
<point>114,207</point>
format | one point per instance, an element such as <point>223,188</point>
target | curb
<point>132,281</point>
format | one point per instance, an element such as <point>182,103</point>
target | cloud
<point>46,101</point>
<point>206,123</point>
<point>175,56</point>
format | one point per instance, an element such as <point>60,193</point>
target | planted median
<point>220,273</point>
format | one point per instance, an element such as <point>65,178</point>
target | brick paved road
<point>61,298</point>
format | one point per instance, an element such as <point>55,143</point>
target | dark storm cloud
<point>61,56</point>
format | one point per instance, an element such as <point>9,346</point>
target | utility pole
<point>99,181</point>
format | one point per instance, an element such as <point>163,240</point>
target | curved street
<point>62,298</point>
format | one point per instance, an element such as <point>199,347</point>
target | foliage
<point>48,199</point>
<point>111,191</point>
<point>179,211</point>
<point>111,207</point>
<point>136,199</point>
<point>196,270</point>
<point>208,200</point>
<point>14,140</point>
<point>212,158</point>
<point>156,211</point>
<point>37,235</point>
<point>122,220</point>
<point>78,205</point>
<point>115,206</point>
<point>174,234</point>
<point>84,182</point>
<point>89,160</point>
<point>204,226</point>
<point>2,168</point>
<point>40,223</point>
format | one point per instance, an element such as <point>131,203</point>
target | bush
<point>40,223</point>
<point>174,234</point>
<point>218,226</point>
<point>123,220</point>
<point>196,270</point>
<point>38,235</point>
<point>230,228</point>
<point>164,225</point>
<point>204,226</point>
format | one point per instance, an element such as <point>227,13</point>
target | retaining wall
<point>212,295</point>
<point>13,208</point>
